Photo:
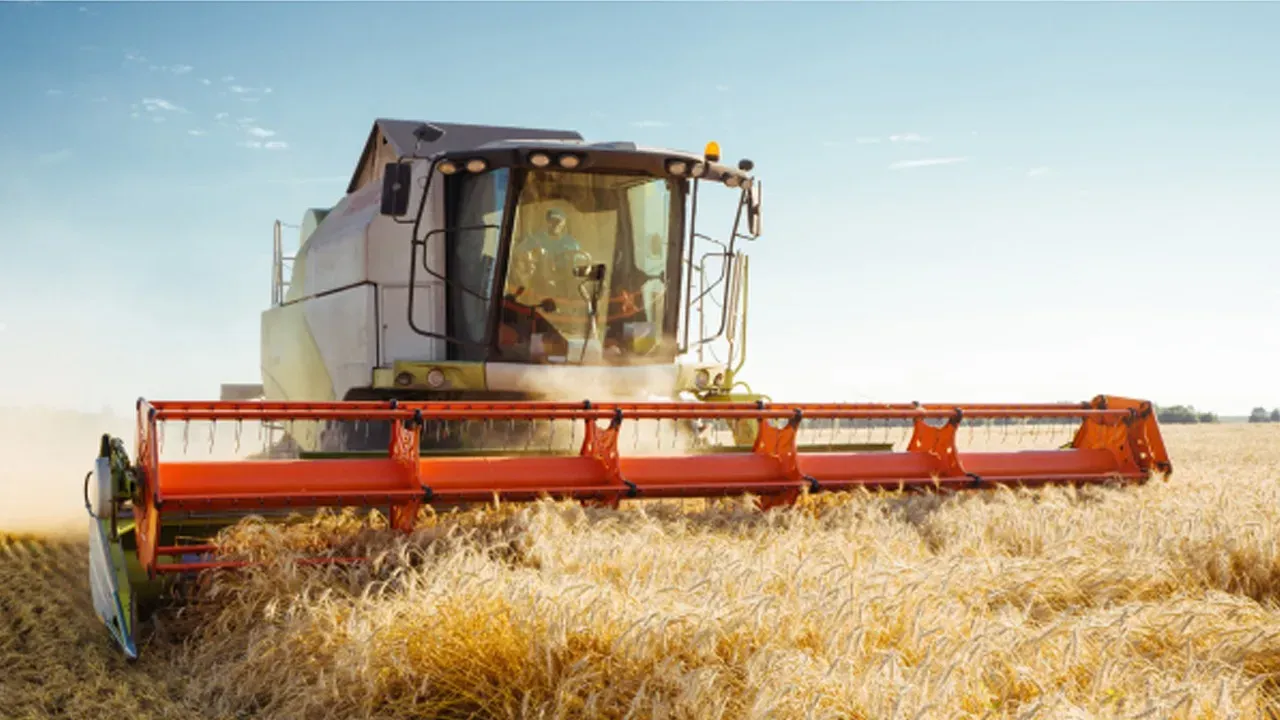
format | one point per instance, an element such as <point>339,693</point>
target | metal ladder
<point>281,264</point>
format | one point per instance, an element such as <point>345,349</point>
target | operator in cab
<point>541,258</point>
<point>541,264</point>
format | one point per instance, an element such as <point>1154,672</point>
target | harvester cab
<point>561,255</point>
<point>495,313</point>
<point>485,263</point>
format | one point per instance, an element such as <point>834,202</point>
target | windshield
<point>592,259</point>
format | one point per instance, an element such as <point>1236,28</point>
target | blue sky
<point>1005,201</point>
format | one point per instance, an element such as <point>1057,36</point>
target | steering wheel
<point>557,276</point>
<point>580,268</point>
<point>547,270</point>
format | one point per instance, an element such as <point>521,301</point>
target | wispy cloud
<point>156,104</point>
<point>1037,171</point>
<point>906,137</point>
<point>252,134</point>
<point>926,162</point>
<point>55,157</point>
<point>260,145</point>
<point>650,123</point>
<point>722,88</point>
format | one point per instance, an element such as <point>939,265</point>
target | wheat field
<point>1157,601</point>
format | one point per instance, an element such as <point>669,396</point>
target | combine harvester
<point>496,313</point>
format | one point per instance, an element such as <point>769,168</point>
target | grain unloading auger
<point>541,270</point>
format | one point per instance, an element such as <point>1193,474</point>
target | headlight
<point>697,170</point>
<point>702,379</point>
<point>404,379</point>
<point>732,180</point>
<point>477,165</point>
<point>540,159</point>
<point>677,167</point>
<point>569,162</point>
<point>448,167</point>
<point>435,378</point>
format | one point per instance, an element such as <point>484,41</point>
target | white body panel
<point>344,328</point>
<point>398,340</point>
<point>334,256</point>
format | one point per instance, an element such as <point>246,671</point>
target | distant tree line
<point>1260,415</point>
<point>1183,415</point>
<point>1188,415</point>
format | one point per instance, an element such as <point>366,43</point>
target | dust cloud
<point>44,455</point>
<point>627,383</point>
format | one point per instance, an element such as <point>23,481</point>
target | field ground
<point>1158,602</point>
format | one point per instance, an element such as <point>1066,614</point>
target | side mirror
<point>753,208</point>
<point>395,188</point>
